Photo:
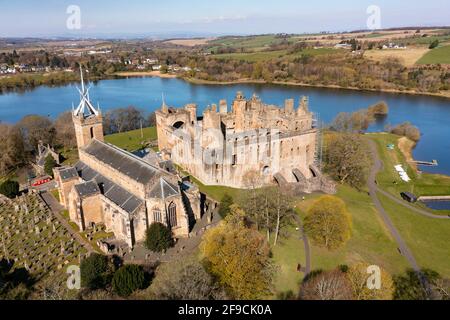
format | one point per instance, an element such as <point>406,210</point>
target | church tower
<point>86,118</point>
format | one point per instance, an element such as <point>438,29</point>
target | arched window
<point>157,215</point>
<point>172,210</point>
<point>92,132</point>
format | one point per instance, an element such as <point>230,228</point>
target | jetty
<point>433,163</point>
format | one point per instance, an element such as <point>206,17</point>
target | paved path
<point>373,189</point>
<point>413,208</point>
<point>307,268</point>
<point>56,208</point>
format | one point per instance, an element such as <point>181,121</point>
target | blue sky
<point>101,17</point>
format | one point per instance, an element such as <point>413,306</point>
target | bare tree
<point>330,285</point>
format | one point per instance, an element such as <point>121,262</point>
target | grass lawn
<point>287,254</point>
<point>437,55</point>
<point>428,239</point>
<point>70,156</point>
<point>132,140</point>
<point>370,242</point>
<point>216,192</point>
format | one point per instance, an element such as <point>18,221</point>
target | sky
<point>31,18</point>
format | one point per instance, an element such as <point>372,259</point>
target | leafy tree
<point>328,223</point>
<point>49,164</point>
<point>330,285</point>
<point>185,280</point>
<point>93,271</point>
<point>238,257</point>
<point>9,188</point>
<point>225,203</point>
<point>347,159</point>
<point>357,275</point>
<point>128,279</point>
<point>158,237</point>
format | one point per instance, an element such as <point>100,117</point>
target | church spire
<point>85,107</point>
<point>164,107</point>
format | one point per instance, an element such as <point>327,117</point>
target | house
<point>43,153</point>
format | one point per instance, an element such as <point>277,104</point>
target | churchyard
<point>32,238</point>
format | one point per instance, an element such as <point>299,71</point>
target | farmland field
<point>408,56</point>
<point>438,55</point>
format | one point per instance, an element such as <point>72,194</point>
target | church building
<point>118,189</point>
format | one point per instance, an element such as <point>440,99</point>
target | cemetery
<point>32,238</point>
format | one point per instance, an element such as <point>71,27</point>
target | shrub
<point>93,271</point>
<point>224,206</point>
<point>434,44</point>
<point>128,279</point>
<point>158,237</point>
<point>49,164</point>
<point>9,188</point>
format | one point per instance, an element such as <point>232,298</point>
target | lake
<point>430,114</point>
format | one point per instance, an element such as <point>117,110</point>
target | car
<point>408,196</point>
<point>40,182</point>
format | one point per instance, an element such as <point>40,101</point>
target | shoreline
<point>145,74</point>
<point>137,74</point>
<point>299,84</point>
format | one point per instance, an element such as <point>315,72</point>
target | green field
<point>267,55</point>
<point>428,239</point>
<point>244,42</point>
<point>429,40</point>
<point>437,55</point>
<point>132,140</point>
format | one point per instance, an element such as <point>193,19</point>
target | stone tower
<point>86,118</point>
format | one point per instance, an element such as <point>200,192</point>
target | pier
<point>433,163</point>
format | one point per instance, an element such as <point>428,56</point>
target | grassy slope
<point>428,239</point>
<point>131,140</point>
<point>437,55</point>
<point>266,55</point>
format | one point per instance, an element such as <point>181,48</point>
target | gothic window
<point>157,215</point>
<point>172,209</point>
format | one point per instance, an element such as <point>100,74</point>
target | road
<point>56,208</point>
<point>410,207</point>
<point>373,189</point>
